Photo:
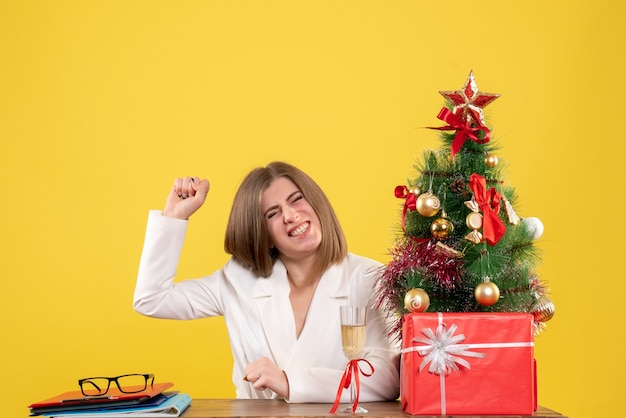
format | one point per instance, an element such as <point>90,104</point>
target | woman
<point>279,293</point>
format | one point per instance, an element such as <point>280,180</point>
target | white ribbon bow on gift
<point>442,350</point>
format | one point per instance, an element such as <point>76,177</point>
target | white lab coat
<point>260,320</point>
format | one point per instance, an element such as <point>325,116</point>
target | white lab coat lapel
<point>322,325</point>
<point>272,299</point>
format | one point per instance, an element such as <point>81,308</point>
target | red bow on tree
<point>403,192</point>
<point>464,130</point>
<point>489,203</point>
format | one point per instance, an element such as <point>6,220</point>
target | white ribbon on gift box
<point>441,352</point>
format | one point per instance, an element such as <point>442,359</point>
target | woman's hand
<point>264,374</point>
<point>186,197</point>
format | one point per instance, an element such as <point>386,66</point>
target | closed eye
<point>293,199</point>
<point>297,197</point>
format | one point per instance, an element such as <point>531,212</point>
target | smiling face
<point>256,235</point>
<point>294,227</point>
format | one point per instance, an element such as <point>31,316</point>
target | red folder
<point>75,399</point>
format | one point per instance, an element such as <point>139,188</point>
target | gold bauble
<point>415,190</point>
<point>474,221</point>
<point>427,204</point>
<point>487,293</point>
<point>491,160</point>
<point>416,300</point>
<point>441,228</point>
<point>543,309</point>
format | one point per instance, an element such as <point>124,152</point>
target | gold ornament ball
<point>487,293</point>
<point>415,190</point>
<point>474,221</point>
<point>543,309</point>
<point>441,228</point>
<point>416,300</point>
<point>427,204</point>
<point>491,160</point>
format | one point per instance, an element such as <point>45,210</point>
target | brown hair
<point>247,237</point>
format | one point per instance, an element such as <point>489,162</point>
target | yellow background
<point>104,103</point>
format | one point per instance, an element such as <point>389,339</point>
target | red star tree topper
<point>469,102</point>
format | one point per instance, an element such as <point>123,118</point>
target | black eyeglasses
<point>126,383</point>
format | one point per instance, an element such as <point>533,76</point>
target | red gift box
<point>468,363</point>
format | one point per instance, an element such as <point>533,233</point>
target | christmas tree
<point>461,246</point>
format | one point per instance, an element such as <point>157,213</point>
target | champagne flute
<point>353,341</point>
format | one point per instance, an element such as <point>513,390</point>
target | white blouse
<point>260,321</point>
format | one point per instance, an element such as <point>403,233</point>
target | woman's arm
<point>156,293</point>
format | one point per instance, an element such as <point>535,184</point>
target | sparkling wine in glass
<point>353,341</point>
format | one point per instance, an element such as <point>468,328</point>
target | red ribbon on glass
<point>352,368</point>
<point>463,130</point>
<point>489,203</point>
